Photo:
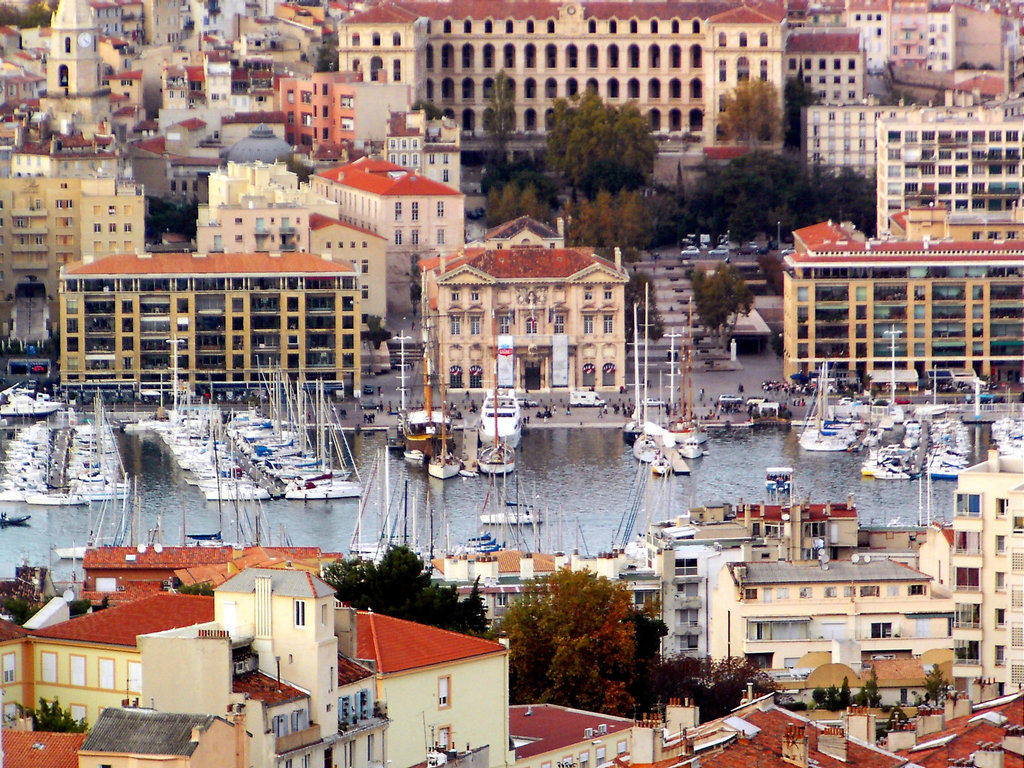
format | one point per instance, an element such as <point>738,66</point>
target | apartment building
<point>417,217</point>
<point>940,224</point>
<point>871,19</point>
<point>909,26</point>
<point>559,311</point>
<point>677,62</point>
<point>50,222</point>
<point>862,607</point>
<point>869,305</point>
<point>987,569</point>
<point>843,135</point>
<point>830,62</point>
<point>164,21</point>
<point>432,148</point>
<point>962,158</point>
<point>365,250</point>
<point>230,318</point>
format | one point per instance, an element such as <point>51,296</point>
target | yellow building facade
<point>869,306</point>
<point>987,574</point>
<point>233,318</point>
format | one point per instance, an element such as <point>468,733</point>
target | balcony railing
<point>297,739</point>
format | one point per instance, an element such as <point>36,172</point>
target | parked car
<point>653,402</point>
<point>528,402</point>
<point>718,253</point>
<point>692,252</point>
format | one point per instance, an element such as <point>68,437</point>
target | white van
<point>584,398</point>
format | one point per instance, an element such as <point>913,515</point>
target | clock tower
<point>74,93</point>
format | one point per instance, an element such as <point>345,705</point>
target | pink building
<point>319,109</point>
<point>909,31</point>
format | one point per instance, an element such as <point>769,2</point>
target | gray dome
<point>261,145</point>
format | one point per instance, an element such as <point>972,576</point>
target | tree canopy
<point>433,112</point>
<point>608,221</point>
<point>400,586</point>
<point>49,716</point>
<point>573,641</point>
<point>511,201</point>
<point>720,298</point>
<point>500,115</point>
<point>796,95</point>
<point>751,115</point>
<point>715,685</point>
<point>586,131</point>
<point>635,296</point>
<point>171,216</point>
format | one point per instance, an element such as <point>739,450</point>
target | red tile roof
<point>209,264</point>
<point>192,124</point>
<point>746,15</point>
<point>987,85</point>
<point>168,557</point>
<point>385,179</point>
<point>396,645</point>
<point>523,261</point>
<point>319,221</point>
<point>963,736</point>
<point>823,42</point>
<point>121,625</point>
<point>157,145</point>
<point>40,749</point>
<point>350,671</point>
<point>10,631</point>
<point>261,687</point>
<point>549,727</point>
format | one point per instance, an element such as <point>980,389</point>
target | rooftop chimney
<point>930,721</point>
<point>989,755</point>
<point>680,715</point>
<point>901,737</point>
<point>794,745</point>
<point>860,724</point>
<point>832,742</point>
<point>618,257</point>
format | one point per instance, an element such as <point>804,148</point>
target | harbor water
<point>583,483</point>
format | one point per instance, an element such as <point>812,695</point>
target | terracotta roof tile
<point>395,645</point>
<point>261,687</point>
<point>523,261</point>
<point>121,625</point>
<point>987,85</point>
<point>823,42</point>
<point>192,124</point>
<point>350,671</point>
<point>40,749</point>
<point>127,592</point>
<point>898,669</point>
<point>725,153</point>
<point>385,179</point>
<point>10,631</point>
<point>168,557</point>
<point>548,727</point>
<point>210,264</point>
<point>319,221</point>
<point>515,226</point>
<point>747,15</point>
<point>961,737</point>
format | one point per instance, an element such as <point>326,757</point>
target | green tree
<point>511,201</point>
<point>716,685</point>
<point>751,115</point>
<point>375,331</point>
<point>634,296</point>
<point>720,300</point>
<point>49,716</point>
<point>400,586</point>
<point>171,216</point>
<point>869,695</point>
<point>20,609</point>
<point>433,111</point>
<point>297,165</point>
<point>572,641</point>
<point>35,15</point>
<point>935,685</point>
<point>796,95</point>
<point>500,115</point>
<point>327,54</point>
<point>586,131</point>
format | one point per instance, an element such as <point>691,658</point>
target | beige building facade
<point>231,317</point>
<point>987,574</point>
<point>432,148</point>
<point>843,135</point>
<point>560,309</point>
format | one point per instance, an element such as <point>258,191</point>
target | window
<point>49,667</point>
<point>78,713</point>
<point>750,593</point>
<point>915,589</point>
<point>440,208</point>
<point>299,607</point>
<point>531,325</point>
<point>398,211</point>
<point>588,324</point>
<point>415,210</point>
<point>8,665</point>
<point>805,593</point>
<point>559,323</point>
<point>869,590</point>
<point>135,676</point>
<point>78,670</point>
<point>830,591</point>
<point>107,674</point>
<point>456,325</point>
<point>398,237</point>
<point>881,629</point>
<point>444,691</point>
<point>968,505</point>
<point>440,237</point>
<point>609,324</point>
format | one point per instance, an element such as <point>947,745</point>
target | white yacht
<point>503,418</point>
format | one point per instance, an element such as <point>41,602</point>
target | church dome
<point>261,145</point>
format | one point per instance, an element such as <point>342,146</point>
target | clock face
<point>85,40</point>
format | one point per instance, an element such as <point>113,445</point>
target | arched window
<point>633,89</point>
<point>572,57</point>
<point>654,89</point>
<point>633,56</point>
<point>549,119</point>
<point>742,69</point>
<point>764,69</point>
<point>468,89</point>
<point>613,27</point>
<point>654,116</point>
<point>429,54</point>
<point>723,74</point>
<point>396,70</point>
<point>592,85</point>
<point>430,89</point>
<point>529,26</point>
<point>721,39</point>
<point>488,57</point>
<point>592,27</point>
<point>510,27</point>
<point>530,56</point>
<point>530,120</point>
<point>613,57</point>
<point>376,65</point>
<point>510,56</point>
<point>764,40</point>
<point>675,57</point>
<point>696,57</point>
<point>375,40</point>
<point>488,89</point>
<point>67,45</point>
<point>551,56</point>
<point>695,27</point>
<point>488,27</point>
<point>613,88</point>
<point>633,27</point>
<point>396,39</point>
<point>571,87</point>
<point>468,120</point>
<point>654,57</point>
<point>675,120</point>
<point>530,88</point>
<point>355,39</point>
<point>447,89</point>
<point>62,76</point>
<point>467,26</point>
<point>447,56</point>
<point>591,56</point>
<point>696,89</point>
<point>550,88</point>
<point>654,26</point>
<point>675,26</point>
<point>467,56</point>
<point>743,39</point>
<point>447,26</point>
<point>675,89</point>
<point>551,26</point>
<point>696,121</point>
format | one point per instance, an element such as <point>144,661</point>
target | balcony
<point>685,602</point>
<point>297,740</point>
<point>691,628</point>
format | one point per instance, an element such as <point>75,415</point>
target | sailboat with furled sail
<point>423,426</point>
<point>443,463</point>
<point>498,458</point>
<point>687,430</point>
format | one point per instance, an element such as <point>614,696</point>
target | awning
<point>781,619</point>
<point>930,615</point>
<point>882,375</point>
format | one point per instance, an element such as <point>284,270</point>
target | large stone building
<point>231,317</point>
<point>676,60</point>
<point>560,310</point>
<point>987,571</point>
<point>830,62</point>
<point>75,96</point>
<point>868,306</point>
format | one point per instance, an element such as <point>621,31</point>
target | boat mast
<point>647,314</point>
<point>636,367</point>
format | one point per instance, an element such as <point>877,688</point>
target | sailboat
<point>821,435</point>
<point>646,447</point>
<point>689,435</point>
<point>422,426</point>
<point>499,458</point>
<point>443,463</point>
<point>327,482</point>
